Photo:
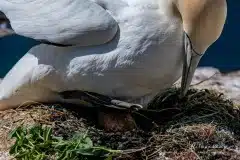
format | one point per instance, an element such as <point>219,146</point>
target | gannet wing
<point>65,22</point>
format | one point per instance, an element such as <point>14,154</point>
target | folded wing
<point>65,22</point>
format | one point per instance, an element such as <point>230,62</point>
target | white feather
<point>143,54</point>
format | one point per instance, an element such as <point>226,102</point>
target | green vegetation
<point>38,143</point>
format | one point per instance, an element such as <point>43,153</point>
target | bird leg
<point>96,100</point>
<point>126,105</point>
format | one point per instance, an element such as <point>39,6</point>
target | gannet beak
<point>191,60</point>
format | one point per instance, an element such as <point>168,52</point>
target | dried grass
<point>203,125</point>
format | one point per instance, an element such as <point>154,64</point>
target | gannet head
<point>203,22</point>
<point>5,27</point>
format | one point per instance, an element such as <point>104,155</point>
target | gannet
<point>128,49</point>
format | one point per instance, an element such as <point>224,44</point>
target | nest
<point>202,125</point>
<point>198,106</point>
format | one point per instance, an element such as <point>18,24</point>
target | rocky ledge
<point>212,78</point>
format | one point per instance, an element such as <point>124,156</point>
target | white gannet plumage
<point>123,48</point>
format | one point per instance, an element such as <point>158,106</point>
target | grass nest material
<point>202,125</point>
<point>198,106</point>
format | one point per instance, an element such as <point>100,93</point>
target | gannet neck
<point>203,21</point>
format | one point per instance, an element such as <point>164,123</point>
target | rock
<point>212,78</point>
